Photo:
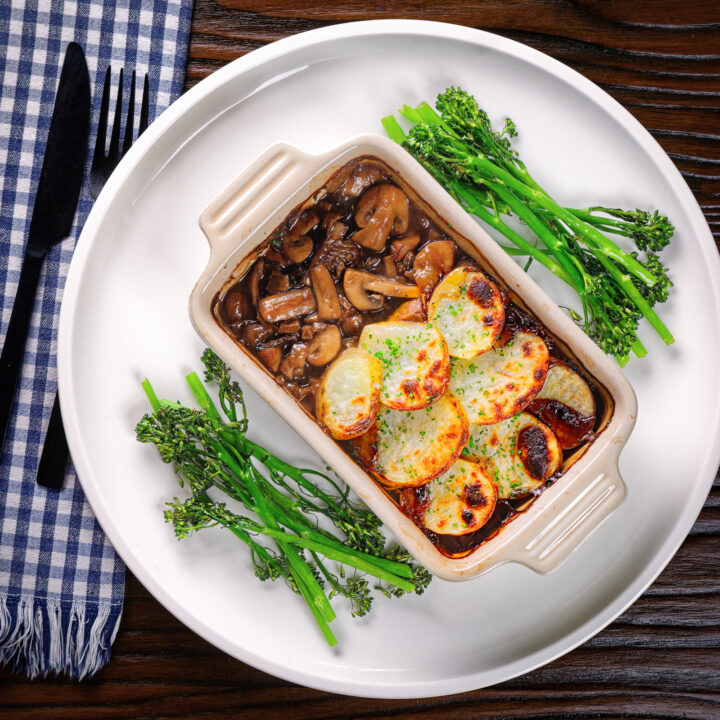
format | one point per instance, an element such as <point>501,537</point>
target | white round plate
<point>125,317</point>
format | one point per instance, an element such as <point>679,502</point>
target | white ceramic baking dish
<point>238,221</point>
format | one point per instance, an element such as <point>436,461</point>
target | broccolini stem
<point>489,172</point>
<point>332,553</point>
<point>275,464</point>
<point>540,228</point>
<point>297,564</point>
<point>316,611</point>
<point>312,534</point>
<point>628,287</point>
<point>202,396</point>
<point>151,396</point>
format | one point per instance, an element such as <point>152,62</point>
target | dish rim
<point>481,40</point>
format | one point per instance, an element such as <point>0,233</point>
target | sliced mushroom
<point>336,252</point>
<point>289,328</point>
<point>257,332</point>
<point>326,297</point>
<point>255,277</point>
<point>383,210</point>
<point>362,288</point>
<point>324,346</point>
<point>362,177</point>
<point>275,256</point>
<point>236,306</point>
<point>434,261</point>
<point>287,305</point>
<point>389,266</point>
<point>277,282</point>
<point>352,324</point>
<point>411,310</point>
<point>297,244</point>
<point>310,329</point>
<point>401,246</point>
<point>271,357</point>
<point>293,365</point>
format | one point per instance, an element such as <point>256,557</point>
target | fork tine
<point>99,153</point>
<point>145,107</point>
<point>130,122</point>
<point>115,138</point>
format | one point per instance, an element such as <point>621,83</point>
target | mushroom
<point>271,357</point>
<point>336,252</point>
<point>257,332</point>
<point>401,246</point>
<point>277,282</point>
<point>310,329</point>
<point>236,307</point>
<point>358,283</point>
<point>432,262</point>
<point>410,311</point>
<point>382,210</point>
<point>326,297</point>
<point>324,346</point>
<point>294,363</point>
<point>363,176</point>
<point>352,324</point>
<point>297,244</point>
<point>289,328</point>
<point>255,277</point>
<point>389,266</point>
<point>287,305</point>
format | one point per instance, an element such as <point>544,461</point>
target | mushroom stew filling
<point>362,253</point>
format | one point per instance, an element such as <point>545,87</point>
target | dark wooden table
<point>661,658</point>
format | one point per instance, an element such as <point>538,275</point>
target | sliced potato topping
<point>566,404</point>
<point>407,448</point>
<point>415,362</point>
<point>461,500</point>
<point>348,397</point>
<point>569,388</point>
<point>468,310</point>
<point>519,453</point>
<point>501,382</point>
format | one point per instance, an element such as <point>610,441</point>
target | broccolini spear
<point>213,453</point>
<point>481,170</point>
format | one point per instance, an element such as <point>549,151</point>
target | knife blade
<point>53,212</point>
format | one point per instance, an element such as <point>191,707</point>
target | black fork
<point>53,461</point>
<point>102,164</point>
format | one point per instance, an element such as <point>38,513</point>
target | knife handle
<point>13,350</point>
<point>53,461</point>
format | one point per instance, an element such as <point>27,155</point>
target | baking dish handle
<point>570,517</point>
<point>251,198</point>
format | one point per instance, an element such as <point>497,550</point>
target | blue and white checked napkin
<point>61,583</point>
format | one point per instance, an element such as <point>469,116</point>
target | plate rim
<point>163,124</point>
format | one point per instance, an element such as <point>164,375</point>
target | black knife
<point>55,203</point>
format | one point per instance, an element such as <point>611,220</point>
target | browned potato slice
<point>461,500</point>
<point>519,453</point>
<point>501,382</point>
<point>468,310</point>
<point>348,398</point>
<point>415,362</point>
<point>407,448</point>
<point>566,404</point>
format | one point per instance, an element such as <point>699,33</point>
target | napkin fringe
<point>39,637</point>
